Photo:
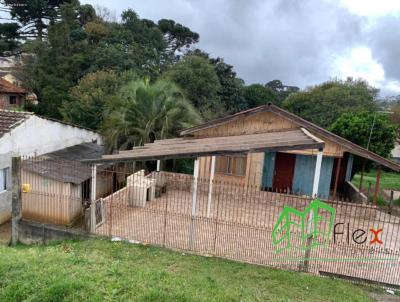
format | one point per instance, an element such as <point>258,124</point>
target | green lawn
<point>100,270</point>
<point>389,180</point>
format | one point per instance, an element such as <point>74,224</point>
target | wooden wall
<point>5,101</point>
<point>257,123</point>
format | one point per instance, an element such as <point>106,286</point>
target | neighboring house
<point>396,152</point>
<point>11,96</point>
<point>26,134</point>
<point>64,183</point>
<point>10,77</point>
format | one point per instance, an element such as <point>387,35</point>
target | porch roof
<point>186,147</point>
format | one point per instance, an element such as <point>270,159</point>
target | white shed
<point>26,134</point>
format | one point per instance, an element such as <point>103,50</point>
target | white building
<point>396,152</point>
<point>25,134</point>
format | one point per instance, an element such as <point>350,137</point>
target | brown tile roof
<point>7,87</point>
<point>10,119</point>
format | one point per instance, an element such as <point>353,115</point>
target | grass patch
<point>389,180</point>
<point>100,270</point>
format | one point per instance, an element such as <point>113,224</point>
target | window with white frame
<point>3,179</point>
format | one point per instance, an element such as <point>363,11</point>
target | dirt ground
<point>385,297</point>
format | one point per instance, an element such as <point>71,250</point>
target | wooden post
<point>378,179</point>
<point>93,199</point>
<point>362,174</point>
<point>194,193</point>
<point>339,163</point>
<point>158,165</point>
<point>16,199</point>
<point>317,174</point>
<point>194,201</point>
<point>391,201</point>
<point>210,185</point>
<point>369,190</point>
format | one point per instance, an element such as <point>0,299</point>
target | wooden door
<point>284,171</point>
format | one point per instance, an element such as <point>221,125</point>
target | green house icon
<point>293,227</point>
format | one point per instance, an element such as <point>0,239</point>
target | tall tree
<point>35,15</point>
<point>281,91</point>
<point>356,127</point>
<point>197,77</point>
<point>324,103</point>
<point>231,90</point>
<point>257,95</point>
<point>177,36</point>
<point>144,112</point>
<point>9,38</point>
<point>89,98</point>
<point>58,64</point>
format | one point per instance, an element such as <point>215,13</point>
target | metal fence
<point>223,219</point>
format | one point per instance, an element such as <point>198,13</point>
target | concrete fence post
<point>16,208</point>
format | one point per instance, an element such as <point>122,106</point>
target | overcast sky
<point>301,42</point>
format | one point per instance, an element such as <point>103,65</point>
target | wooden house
<point>11,95</point>
<point>286,171</point>
<point>264,147</point>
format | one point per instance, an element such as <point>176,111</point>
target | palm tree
<point>144,112</point>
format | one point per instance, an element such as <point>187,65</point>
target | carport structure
<point>189,147</point>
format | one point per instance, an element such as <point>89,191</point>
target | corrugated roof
<point>187,147</point>
<point>66,164</point>
<point>7,87</point>
<point>10,119</point>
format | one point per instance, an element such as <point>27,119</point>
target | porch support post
<point>378,179</point>
<point>339,163</point>
<point>210,186</point>
<point>364,161</point>
<point>304,265</point>
<point>93,199</point>
<point>194,200</point>
<point>158,165</point>
<point>317,173</point>
<point>194,193</point>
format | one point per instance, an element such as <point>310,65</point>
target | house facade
<point>11,96</point>
<point>396,152</point>
<point>289,171</point>
<point>25,134</point>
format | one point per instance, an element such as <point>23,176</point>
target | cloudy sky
<point>301,42</point>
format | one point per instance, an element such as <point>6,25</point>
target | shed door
<point>284,170</point>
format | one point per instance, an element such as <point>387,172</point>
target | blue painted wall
<point>268,170</point>
<point>303,177</point>
<point>349,167</point>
